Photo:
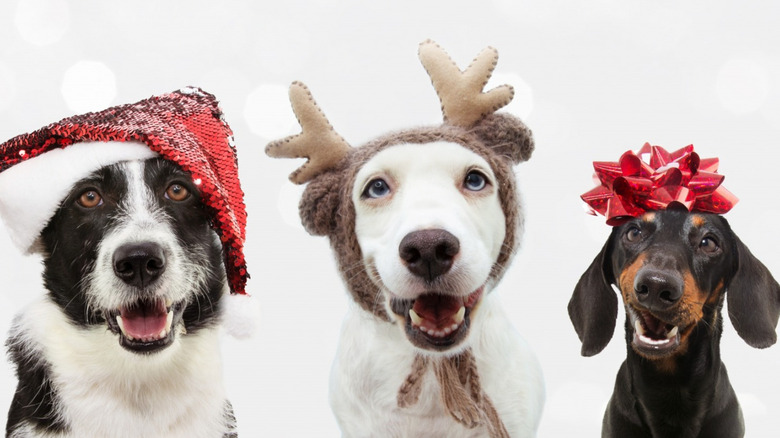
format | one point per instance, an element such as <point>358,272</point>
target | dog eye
<point>709,245</point>
<point>177,192</point>
<point>475,181</point>
<point>90,199</point>
<point>633,234</point>
<point>377,188</point>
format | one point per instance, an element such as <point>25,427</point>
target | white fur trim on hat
<point>31,191</point>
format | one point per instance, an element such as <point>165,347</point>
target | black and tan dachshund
<point>673,270</point>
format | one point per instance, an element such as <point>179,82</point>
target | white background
<point>593,80</point>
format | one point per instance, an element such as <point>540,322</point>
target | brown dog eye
<point>90,199</point>
<point>177,192</point>
<point>709,245</point>
<point>633,234</point>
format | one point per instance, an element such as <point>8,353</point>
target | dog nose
<point>429,253</point>
<point>139,264</point>
<point>656,289</point>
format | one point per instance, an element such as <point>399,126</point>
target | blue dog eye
<point>377,188</point>
<point>475,181</point>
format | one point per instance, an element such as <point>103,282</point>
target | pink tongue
<point>438,309</point>
<point>144,320</point>
<point>654,326</point>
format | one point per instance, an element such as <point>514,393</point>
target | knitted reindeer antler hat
<point>326,207</point>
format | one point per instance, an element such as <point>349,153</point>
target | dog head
<point>131,247</point>
<point>424,221</point>
<point>138,211</point>
<point>430,230</point>
<point>673,269</point>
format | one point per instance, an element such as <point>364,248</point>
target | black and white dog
<point>125,341</point>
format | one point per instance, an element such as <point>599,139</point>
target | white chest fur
<point>104,390</point>
<point>374,358</point>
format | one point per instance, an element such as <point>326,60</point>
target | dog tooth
<point>651,341</point>
<point>168,320</point>
<point>439,334</point>
<point>459,316</point>
<point>416,319</point>
<point>120,323</point>
<point>672,333</point>
<point>168,303</point>
<point>447,330</point>
<point>638,327</point>
<point>454,327</point>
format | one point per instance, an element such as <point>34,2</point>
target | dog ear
<point>753,299</point>
<point>319,203</point>
<point>507,135</point>
<point>593,305</point>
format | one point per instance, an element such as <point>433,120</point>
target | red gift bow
<point>631,186</point>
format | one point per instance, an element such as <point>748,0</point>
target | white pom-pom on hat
<point>240,315</point>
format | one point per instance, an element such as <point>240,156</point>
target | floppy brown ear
<point>753,300</point>
<point>319,203</point>
<point>507,135</point>
<point>593,305</point>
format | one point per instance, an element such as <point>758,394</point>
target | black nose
<point>657,289</point>
<point>139,264</point>
<point>428,253</point>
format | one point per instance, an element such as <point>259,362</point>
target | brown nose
<point>429,253</point>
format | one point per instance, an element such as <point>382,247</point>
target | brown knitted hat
<point>326,206</point>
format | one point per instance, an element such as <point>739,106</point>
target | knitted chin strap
<point>463,105</point>
<point>461,391</point>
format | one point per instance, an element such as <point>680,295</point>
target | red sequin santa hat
<point>38,169</point>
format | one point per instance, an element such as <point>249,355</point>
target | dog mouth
<point>436,321</point>
<point>653,337</point>
<point>146,325</point>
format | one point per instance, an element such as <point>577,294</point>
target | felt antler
<point>318,141</point>
<point>462,101</point>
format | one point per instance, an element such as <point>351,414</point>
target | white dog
<point>430,230</point>
<point>424,223</point>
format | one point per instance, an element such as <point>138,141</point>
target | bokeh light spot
<point>42,22</point>
<point>267,111</point>
<point>88,86</point>
<point>523,103</point>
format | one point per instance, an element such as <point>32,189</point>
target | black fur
<point>70,244</point>
<point>35,399</point>
<point>689,395</point>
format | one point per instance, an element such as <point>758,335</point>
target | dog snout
<point>429,253</point>
<point>139,264</point>
<point>656,289</point>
